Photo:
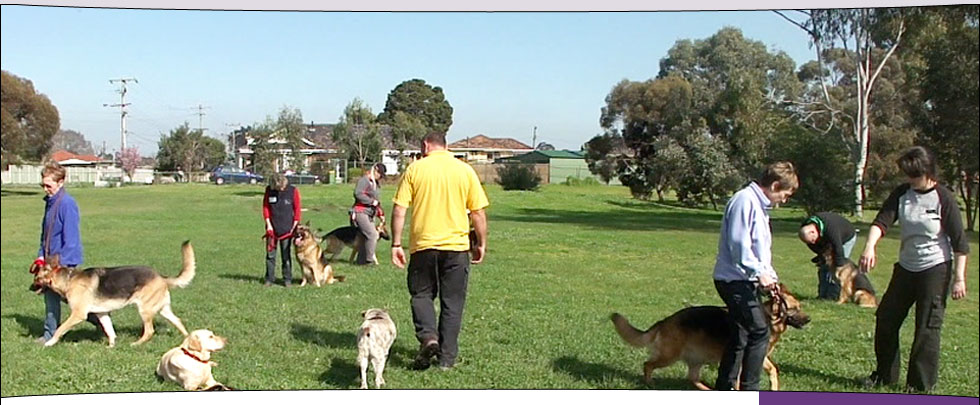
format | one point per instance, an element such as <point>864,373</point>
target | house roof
<point>66,157</point>
<point>485,142</point>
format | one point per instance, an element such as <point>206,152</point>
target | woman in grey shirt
<point>932,244</point>
<point>367,205</point>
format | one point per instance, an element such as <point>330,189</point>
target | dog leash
<point>271,239</point>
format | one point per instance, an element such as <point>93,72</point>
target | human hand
<point>398,257</point>
<point>868,260</point>
<point>766,282</point>
<point>959,289</point>
<point>37,265</point>
<point>478,254</point>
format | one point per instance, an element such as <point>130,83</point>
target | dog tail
<point>188,270</point>
<point>633,336</point>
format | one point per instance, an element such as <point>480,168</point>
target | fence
<point>31,174</point>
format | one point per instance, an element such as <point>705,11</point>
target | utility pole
<point>534,138</point>
<point>234,141</point>
<point>122,107</point>
<point>200,117</point>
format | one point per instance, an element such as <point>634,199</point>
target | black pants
<point>444,274</point>
<point>746,349</point>
<point>285,247</point>
<point>928,291</point>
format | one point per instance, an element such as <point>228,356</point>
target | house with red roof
<point>482,148</point>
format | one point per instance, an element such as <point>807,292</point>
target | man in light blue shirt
<point>743,269</point>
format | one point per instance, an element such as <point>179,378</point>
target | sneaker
<point>268,284</point>
<point>872,381</point>
<point>41,340</point>
<point>424,357</point>
<point>287,284</point>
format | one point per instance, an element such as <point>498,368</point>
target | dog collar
<point>193,356</point>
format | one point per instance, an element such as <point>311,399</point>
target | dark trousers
<point>749,341</point>
<point>444,274</point>
<point>928,291</point>
<point>285,247</point>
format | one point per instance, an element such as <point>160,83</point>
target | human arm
<point>952,224</point>
<point>71,234</point>
<point>869,258</point>
<point>297,209</point>
<point>744,240</point>
<point>397,224</point>
<point>479,220</point>
<point>265,212</point>
<point>363,194</point>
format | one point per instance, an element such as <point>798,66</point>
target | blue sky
<point>503,73</point>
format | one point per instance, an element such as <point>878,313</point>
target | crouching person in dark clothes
<point>827,230</point>
<point>931,262</point>
<point>281,210</point>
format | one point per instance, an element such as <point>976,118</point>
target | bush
<point>824,168</point>
<point>354,174</point>
<point>518,177</point>
<point>583,181</point>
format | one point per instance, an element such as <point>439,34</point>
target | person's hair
<point>783,173</point>
<point>53,170</point>
<point>917,162</point>
<point>435,138</point>
<point>380,169</point>
<point>278,181</point>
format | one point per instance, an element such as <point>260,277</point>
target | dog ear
<point>53,262</point>
<point>193,343</point>
<point>363,313</point>
<point>783,288</point>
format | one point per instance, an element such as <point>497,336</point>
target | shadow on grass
<point>336,340</point>
<point>7,193</point>
<point>34,327</point>
<point>629,219</point>
<point>849,384</point>
<point>250,193</point>
<point>242,277</point>
<point>603,376</point>
<point>342,374</point>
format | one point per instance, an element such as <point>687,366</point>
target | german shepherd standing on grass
<point>352,237</point>
<point>101,290</point>
<point>698,335</point>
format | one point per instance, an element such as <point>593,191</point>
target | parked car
<point>231,174</point>
<point>302,178</point>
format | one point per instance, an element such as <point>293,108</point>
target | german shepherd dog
<point>351,237</point>
<point>698,335</point>
<point>855,286</point>
<point>316,268</point>
<point>101,290</point>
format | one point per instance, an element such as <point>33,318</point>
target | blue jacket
<point>745,246</point>
<point>66,235</point>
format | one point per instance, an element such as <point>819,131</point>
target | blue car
<point>231,174</point>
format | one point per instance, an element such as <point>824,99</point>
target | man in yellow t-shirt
<point>440,189</point>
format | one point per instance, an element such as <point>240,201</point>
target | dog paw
<point>50,342</point>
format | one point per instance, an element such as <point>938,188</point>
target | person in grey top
<point>932,245</point>
<point>367,195</point>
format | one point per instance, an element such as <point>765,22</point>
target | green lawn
<point>560,261</point>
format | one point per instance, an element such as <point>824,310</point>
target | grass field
<point>537,316</point>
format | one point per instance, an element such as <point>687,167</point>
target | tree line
<point>721,107</point>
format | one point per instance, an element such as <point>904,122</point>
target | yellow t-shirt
<point>440,188</point>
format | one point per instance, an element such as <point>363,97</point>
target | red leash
<point>271,239</point>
